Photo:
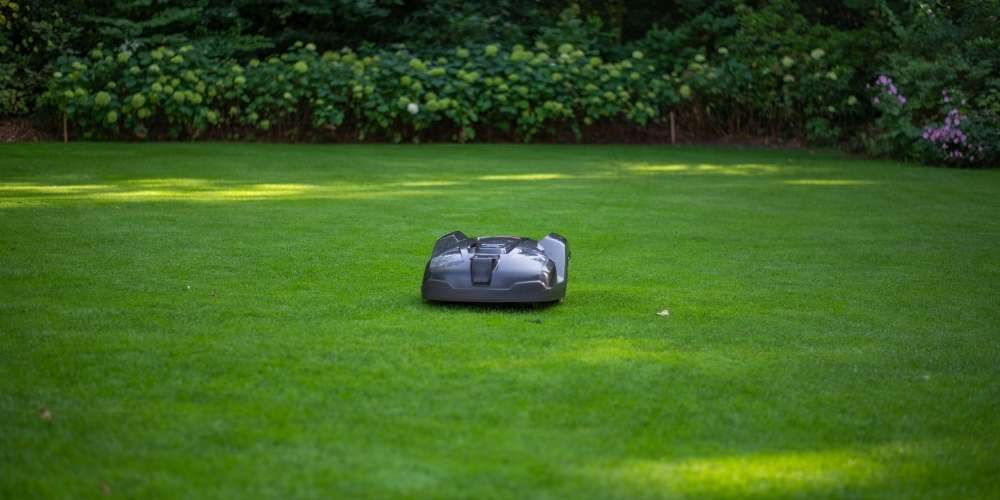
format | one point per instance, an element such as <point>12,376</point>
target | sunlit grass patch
<point>204,190</point>
<point>791,473</point>
<point>830,182</point>
<point>13,189</point>
<point>524,177</point>
<point>431,183</point>
<point>706,168</point>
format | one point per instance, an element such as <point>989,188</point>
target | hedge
<point>182,93</point>
<point>525,92</point>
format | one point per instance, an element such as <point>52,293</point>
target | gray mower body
<point>497,269</point>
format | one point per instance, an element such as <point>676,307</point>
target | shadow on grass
<point>486,308</point>
<point>643,421</point>
<point>616,418</point>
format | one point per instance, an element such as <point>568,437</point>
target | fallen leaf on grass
<point>665,312</point>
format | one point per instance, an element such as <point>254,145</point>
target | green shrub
<point>762,71</point>
<point>894,132</point>
<point>525,92</point>
<point>947,63</point>
<point>31,36</point>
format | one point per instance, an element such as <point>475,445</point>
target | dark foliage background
<point>806,71</point>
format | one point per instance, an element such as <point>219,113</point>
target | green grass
<point>245,320</point>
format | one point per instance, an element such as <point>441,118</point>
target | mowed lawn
<point>231,320</point>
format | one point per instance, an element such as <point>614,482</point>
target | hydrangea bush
<point>523,92</point>
<point>768,71</point>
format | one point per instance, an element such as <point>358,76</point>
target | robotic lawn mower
<point>497,269</point>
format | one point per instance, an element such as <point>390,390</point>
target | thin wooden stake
<point>65,131</point>
<point>673,131</point>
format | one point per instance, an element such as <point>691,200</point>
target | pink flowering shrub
<point>957,140</point>
<point>948,142</point>
<point>894,131</point>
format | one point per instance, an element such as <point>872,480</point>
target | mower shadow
<point>502,307</point>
